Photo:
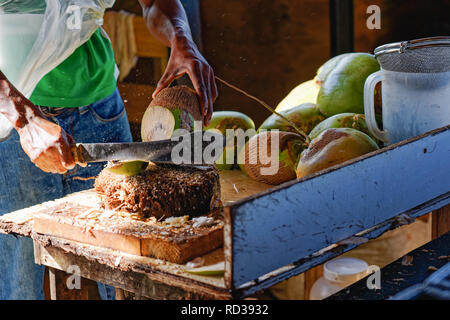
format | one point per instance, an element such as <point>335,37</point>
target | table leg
<point>52,283</point>
<point>311,276</point>
<point>440,222</point>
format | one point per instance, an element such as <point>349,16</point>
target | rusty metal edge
<point>228,247</point>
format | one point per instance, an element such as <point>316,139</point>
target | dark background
<point>267,47</point>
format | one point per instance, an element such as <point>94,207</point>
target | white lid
<point>344,270</point>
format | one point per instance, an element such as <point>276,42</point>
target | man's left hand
<point>185,58</point>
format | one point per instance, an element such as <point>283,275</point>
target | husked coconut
<point>161,191</point>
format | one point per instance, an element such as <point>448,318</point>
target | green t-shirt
<point>87,76</point>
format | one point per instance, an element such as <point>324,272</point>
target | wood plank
<point>79,217</point>
<point>88,289</point>
<point>144,276</point>
<point>19,222</point>
<point>290,222</point>
<point>440,222</point>
<point>235,185</point>
<point>311,276</point>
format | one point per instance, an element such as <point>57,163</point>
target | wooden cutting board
<point>78,217</point>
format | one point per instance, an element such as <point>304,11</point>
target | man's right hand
<point>47,145</point>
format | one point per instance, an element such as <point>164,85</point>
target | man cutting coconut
<point>77,101</point>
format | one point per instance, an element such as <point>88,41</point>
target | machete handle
<point>77,154</point>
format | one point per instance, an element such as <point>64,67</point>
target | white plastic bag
<point>64,26</point>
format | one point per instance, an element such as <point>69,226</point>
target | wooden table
<point>143,276</point>
<point>274,233</point>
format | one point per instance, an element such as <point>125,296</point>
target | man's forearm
<point>166,20</point>
<point>14,106</point>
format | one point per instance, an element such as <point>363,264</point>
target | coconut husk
<point>285,171</point>
<point>181,97</point>
<point>161,191</point>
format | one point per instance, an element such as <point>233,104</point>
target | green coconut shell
<point>305,116</point>
<point>129,169</point>
<point>343,120</point>
<point>331,147</point>
<point>223,120</point>
<point>290,147</point>
<point>179,97</point>
<point>343,88</point>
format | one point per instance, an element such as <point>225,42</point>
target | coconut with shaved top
<point>257,157</point>
<point>173,108</point>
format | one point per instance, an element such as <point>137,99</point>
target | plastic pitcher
<point>415,80</point>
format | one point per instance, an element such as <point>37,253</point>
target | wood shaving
<point>353,240</point>
<point>117,262</point>
<point>407,261</point>
<point>176,221</point>
<point>197,262</point>
<point>202,221</point>
<point>404,219</point>
<point>84,179</point>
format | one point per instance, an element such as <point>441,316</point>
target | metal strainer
<point>427,55</point>
<point>415,88</point>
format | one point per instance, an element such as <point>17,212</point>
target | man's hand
<point>185,58</point>
<point>47,145</point>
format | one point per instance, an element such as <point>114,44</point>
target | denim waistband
<point>55,111</point>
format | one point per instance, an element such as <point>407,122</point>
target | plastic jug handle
<point>369,106</point>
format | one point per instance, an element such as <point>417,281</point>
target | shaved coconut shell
<point>217,269</point>
<point>179,97</point>
<point>290,146</point>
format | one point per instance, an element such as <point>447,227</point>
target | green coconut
<point>217,269</point>
<point>343,88</point>
<point>331,147</point>
<point>223,121</point>
<point>343,120</point>
<point>305,117</point>
<point>305,92</point>
<point>130,168</point>
<point>327,67</point>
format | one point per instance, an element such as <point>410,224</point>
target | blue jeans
<point>22,185</point>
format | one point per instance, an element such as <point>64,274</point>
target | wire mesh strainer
<point>427,55</point>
